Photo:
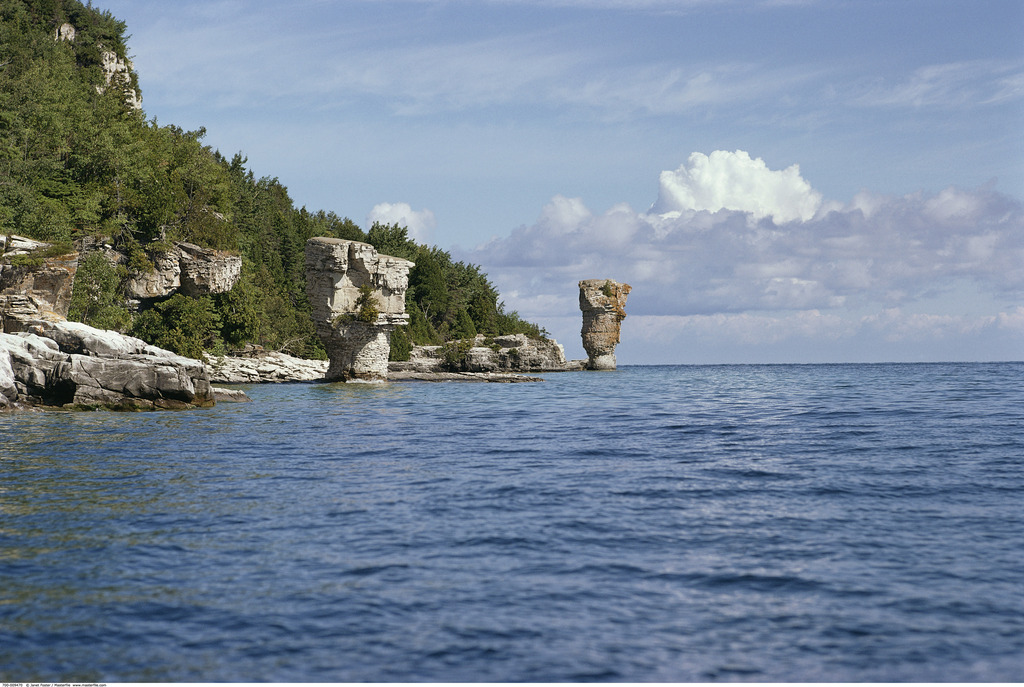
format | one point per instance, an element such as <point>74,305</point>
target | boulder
<point>87,367</point>
<point>230,395</point>
<point>603,304</point>
<point>358,298</point>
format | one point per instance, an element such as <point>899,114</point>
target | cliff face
<point>46,360</point>
<point>358,298</point>
<point>34,287</point>
<point>603,303</point>
<point>117,71</point>
<point>187,268</point>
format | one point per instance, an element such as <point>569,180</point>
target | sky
<point>778,180</point>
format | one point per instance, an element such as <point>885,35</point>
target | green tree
<point>187,326</point>
<point>96,298</point>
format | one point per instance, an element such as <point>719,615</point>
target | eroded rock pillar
<point>603,303</point>
<point>358,298</point>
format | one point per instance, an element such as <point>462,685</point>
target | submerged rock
<point>603,304</point>
<point>358,298</point>
<point>230,395</point>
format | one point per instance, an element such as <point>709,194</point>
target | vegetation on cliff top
<point>78,162</point>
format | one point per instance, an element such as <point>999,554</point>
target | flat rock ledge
<point>264,368</point>
<point>279,368</point>
<point>486,377</point>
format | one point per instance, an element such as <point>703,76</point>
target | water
<point>851,522</point>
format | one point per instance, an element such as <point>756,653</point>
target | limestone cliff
<point>34,284</point>
<point>187,268</point>
<point>358,298</point>
<point>603,304</point>
<point>117,71</point>
<point>46,360</point>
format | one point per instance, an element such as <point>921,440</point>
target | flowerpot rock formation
<point>358,298</point>
<point>603,303</point>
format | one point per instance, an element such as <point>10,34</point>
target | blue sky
<point>552,141</point>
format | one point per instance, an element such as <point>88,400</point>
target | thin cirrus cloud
<point>220,53</point>
<point>949,85</point>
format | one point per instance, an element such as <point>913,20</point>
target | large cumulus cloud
<point>734,247</point>
<point>734,181</point>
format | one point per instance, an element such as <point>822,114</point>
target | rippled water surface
<point>851,522</point>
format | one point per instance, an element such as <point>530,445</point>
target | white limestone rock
<point>603,304</point>
<point>97,368</point>
<point>190,269</point>
<point>509,353</point>
<point>336,269</point>
<point>267,368</point>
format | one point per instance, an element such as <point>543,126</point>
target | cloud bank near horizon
<point>735,251</point>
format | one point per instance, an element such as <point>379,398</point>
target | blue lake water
<point>764,523</point>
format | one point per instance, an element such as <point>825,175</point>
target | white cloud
<point>734,181</point>
<point>951,84</point>
<point>420,223</point>
<point>892,269</point>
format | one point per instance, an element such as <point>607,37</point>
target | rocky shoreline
<point>425,365</point>
<point>48,361</point>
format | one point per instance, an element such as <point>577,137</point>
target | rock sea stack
<point>358,298</point>
<point>603,303</point>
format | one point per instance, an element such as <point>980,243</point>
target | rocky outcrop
<point>46,360</point>
<point>264,368</point>
<point>116,70</point>
<point>358,298</point>
<point>187,268</point>
<point>73,365</point>
<point>65,32</point>
<point>510,353</point>
<point>205,271</point>
<point>34,285</point>
<point>603,303</point>
<point>160,282</point>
